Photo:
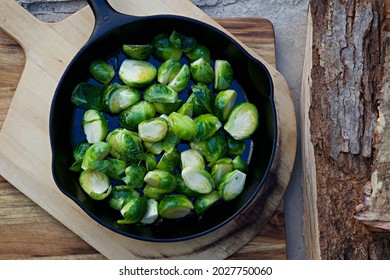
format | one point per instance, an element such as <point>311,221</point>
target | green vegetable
<point>187,109</point>
<point>160,94</point>
<point>205,201</point>
<point>212,149</point>
<point>116,98</point>
<point>114,168</point>
<point>197,179</point>
<point>134,210</point>
<point>207,125</point>
<point>182,42</point>
<point>142,52</point>
<point>134,115</point>
<point>120,195</point>
<point>223,75</point>
<point>78,155</point>
<point>170,141</point>
<point>240,164</point>
<point>155,193</point>
<point>97,151</point>
<point>168,71</point>
<point>169,161</point>
<point>101,71</point>
<point>150,162</point>
<point>201,71</point>
<point>181,80</point>
<point>161,179</point>
<point>125,145</point>
<point>202,99</point>
<point>220,168</point>
<point>242,121</point>
<point>181,187</point>
<point>86,96</point>
<point>183,126</point>
<point>167,108</point>
<point>95,126</point>
<point>175,206</point>
<point>163,49</point>
<point>151,213</point>
<point>96,184</point>
<point>192,158</point>
<point>199,51</point>
<point>224,103</point>
<point>153,130</point>
<point>231,185</point>
<point>235,147</point>
<point>155,148</point>
<point>137,73</point>
<point>135,174</point>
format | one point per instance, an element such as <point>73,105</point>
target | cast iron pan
<point>112,30</point>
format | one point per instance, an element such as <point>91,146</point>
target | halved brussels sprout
<point>96,184</point>
<point>197,179</point>
<point>151,213</point>
<point>192,158</point>
<point>220,168</point>
<point>170,141</point>
<point>205,201</point>
<point>224,103</point>
<point>150,162</point>
<point>182,42</point>
<point>169,161</point>
<point>134,115</point>
<point>116,98</point>
<point>163,49</point>
<point>202,99</point>
<point>212,149</point>
<point>181,187</point>
<point>134,210</point>
<point>240,164</point>
<point>167,108</point>
<point>168,71</point>
<point>242,121</point>
<point>114,168</point>
<point>199,51</point>
<point>183,126</point>
<point>142,52</point>
<point>231,185</point>
<point>97,151</point>
<point>125,145</point>
<point>223,75</point>
<point>235,147</point>
<point>155,148</point>
<point>135,174</point>
<point>120,195</point>
<point>101,71</point>
<point>181,80</point>
<point>160,94</point>
<point>153,130</point>
<point>78,155</point>
<point>95,126</point>
<point>187,108</point>
<point>175,206</point>
<point>86,96</point>
<point>207,124</point>
<point>137,73</point>
<point>161,179</point>
<point>202,72</point>
<point>155,193</point>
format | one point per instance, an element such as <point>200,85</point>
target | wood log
<point>343,76</point>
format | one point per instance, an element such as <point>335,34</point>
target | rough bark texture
<point>347,73</point>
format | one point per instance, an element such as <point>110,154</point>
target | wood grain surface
<point>29,232</point>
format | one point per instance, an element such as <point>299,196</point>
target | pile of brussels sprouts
<point>138,167</point>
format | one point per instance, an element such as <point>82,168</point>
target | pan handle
<point>106,18</point>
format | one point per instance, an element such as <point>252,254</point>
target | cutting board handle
<point>19,23</point>
<point>106,18</point>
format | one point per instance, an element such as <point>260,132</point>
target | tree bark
<point>344,90</point>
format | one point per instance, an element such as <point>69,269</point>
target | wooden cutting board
<point>25,155</point>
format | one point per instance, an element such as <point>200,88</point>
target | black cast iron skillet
<point>253,82</point>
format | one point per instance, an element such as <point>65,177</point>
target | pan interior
<point>252,82</point>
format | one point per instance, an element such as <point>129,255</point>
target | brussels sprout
<point>155,148</point>
<point>150,162</point>
<point>134,115</point>
<point>114,168</point>
<point>167,108</point>
<point>142,52</point>
<point>161,179</point>
<point>181,80</point>
<point>240,164</point>
<point>153,130</point>
<point>101,71</point>
<point>163,49</point>
<point>116,98</point>
<point>160,94</point>
<point>125,145</point>
<point>78,155</point>
<point>224,103</point>
<point>205,201</point>
<point>95,126</point>
<point>135,174</point>
<point>220,168</point>
<point>175,206</point>
<point>192,158</point>
<point>151,213</point>
<point>212,149</point>
<point>170,141</point>
<point>137,73</point>
<point>86,96</point>
<point>182,42</point>
<point>202,99</point>
<point>97,151</point>
<point>197,179</point>
<point>207,125</point>
<point>119,197</point>
<point>169,161</point>
<point>235,147</point>
<point>134,210</point>
<point>168,70</point>
<point>96,184</point>
<point>231,185</point>
<point>183,126</point>
<point>242,121</point>
<point>201,71</point>
<point>187,109</point>
<point>199,51</point>
<point>181,187</point>
<point>223,75</point>
<point>155,193</point>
